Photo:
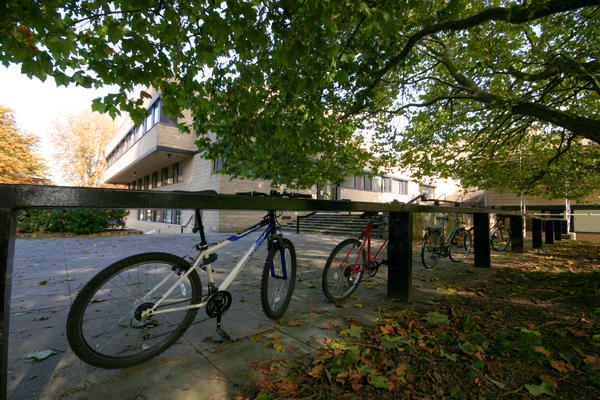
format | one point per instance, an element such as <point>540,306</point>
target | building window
<point>399,187</point>
<point>366,182</point>
<point>387,185</point>
<point>139,184</point>
<point>156,110</point>
<point>155,182</point>
<point>165,118</point>
<point>217,165</point>
<point>377,184</point>
<point>427,189</point>
<point>176,173</point>
<point>349,182</point>
<point>165,176</point>
<point>147,182</point>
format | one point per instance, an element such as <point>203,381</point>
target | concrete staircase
<point>332,223</point>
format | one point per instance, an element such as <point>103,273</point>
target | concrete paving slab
<point>197,366</point>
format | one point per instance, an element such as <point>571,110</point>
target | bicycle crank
<point>218,303</point>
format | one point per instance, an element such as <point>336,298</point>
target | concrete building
<point>156,156</point>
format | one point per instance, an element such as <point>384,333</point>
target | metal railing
<point>17,197</point>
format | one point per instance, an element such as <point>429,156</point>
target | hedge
<point>70,220</point>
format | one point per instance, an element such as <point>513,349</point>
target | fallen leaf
<point>538,390</point>
<point>541,350</point>
<point>39,355</point>
<point>434,317</point>
<point>497,383</point>
<point>354,331</point>
<point>387,329</point>
<point>293,322</point>
<point>549,380</point>
<point>561,366</point>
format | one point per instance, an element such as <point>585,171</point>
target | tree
<point>80,142</point>
<point>19,162</point>
<point>293,89</point>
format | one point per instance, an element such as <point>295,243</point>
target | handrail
<point>302,216</point>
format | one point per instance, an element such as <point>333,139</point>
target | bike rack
<point>17,197</point>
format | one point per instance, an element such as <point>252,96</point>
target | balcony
<point>159,147</point>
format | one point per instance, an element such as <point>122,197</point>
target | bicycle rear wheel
<point>430,249</point>
<point>500,239</point>
<point>105,327</point>
<point>278,279</point>
<point>460,245</point>
<point>342,275</point>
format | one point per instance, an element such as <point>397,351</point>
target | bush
<point>71,220</point>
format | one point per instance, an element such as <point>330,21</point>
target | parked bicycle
<point>137,307</point>
<point>349,260</point>
<point>434,246</point>
<point>499,235</point>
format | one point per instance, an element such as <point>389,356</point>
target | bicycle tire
<point>500,238</point>
<point>106,312</point>
<point>430,254</point>
<point>276,289</point>
<point>460,245</point>
<point>338,269</point>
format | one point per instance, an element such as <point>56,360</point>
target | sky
<point>38,104</point>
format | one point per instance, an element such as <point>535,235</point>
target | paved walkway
<point>49,272</point>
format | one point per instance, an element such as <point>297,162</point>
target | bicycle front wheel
<point>278,279</point>
<point>430,249</point>
<point>460,245</point>
<point>105,326</point>
<point>342,272</point>
<point>500,239</point>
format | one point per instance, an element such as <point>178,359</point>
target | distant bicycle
<point>499,235</point>
<point>434,246</point>
<point>349,260</point>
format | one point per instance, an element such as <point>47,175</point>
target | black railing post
<point>557,230</point>
<point>516,234</point>
<point>399,253</point>
<point>481,240</point>
<point>8,227</point>
<point>536,233</point>
<point>549,232</point>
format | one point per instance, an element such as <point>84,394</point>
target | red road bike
<point>349,260</point>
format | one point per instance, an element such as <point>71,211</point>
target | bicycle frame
<point>268,221</point>
<point>365,238</point>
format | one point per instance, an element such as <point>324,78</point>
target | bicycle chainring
<point>218,303</point>
<point>373,268</point>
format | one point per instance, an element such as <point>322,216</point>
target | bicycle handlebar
<point>275,193</point>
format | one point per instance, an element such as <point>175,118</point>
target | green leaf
<point>542,388</point>
<point>354,331</point>
<point>434,318</point>
<point>378,381</point>
<point>450,356</point>
<point>262,395</point>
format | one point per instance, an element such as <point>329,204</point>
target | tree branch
<point>512,15</point>
<point>580,126</point>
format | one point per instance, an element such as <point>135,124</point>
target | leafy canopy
<point>19,162</point>
<point>300,92</point>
